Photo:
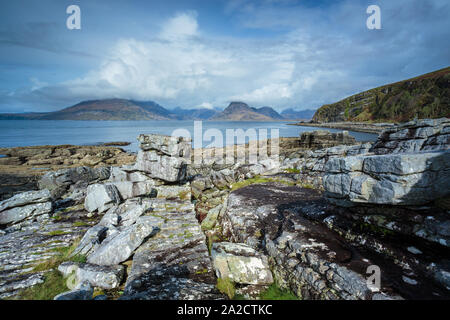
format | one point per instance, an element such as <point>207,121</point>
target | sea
<point>18,133</point>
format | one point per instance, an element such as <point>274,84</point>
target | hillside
<point>111,109</point>
<point>239,111</point>
<point>425,96</point>
<point>268,111</point>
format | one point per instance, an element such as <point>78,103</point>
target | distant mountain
<point>107,109</point>
<point>123,109</point>
<point>292,114</point>
<point>194,114</point>
<point>240,111</point>
<point>111,109</point>
<point>425,96</point>
<point>268,111</point>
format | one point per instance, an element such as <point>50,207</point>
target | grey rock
<point>120,246</point>
<point>168,145</point>
<point>25,198</point>
<point>241,264</point>
<point>91,240</point>
<point>397,179</point>
<point>18,214</point>
<point>64,178</point>
<point>170,169</point>
<point>105,277</point>
<point>84,292</point>
<point>101,197</point>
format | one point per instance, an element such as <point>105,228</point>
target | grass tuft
<point>226,286</point>
<point>54,284</point>
<point>276,293</point>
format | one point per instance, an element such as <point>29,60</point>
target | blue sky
<point>191,53</point>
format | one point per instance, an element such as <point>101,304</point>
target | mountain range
<point>123,109</point>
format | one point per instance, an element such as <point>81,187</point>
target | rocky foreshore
<point>314,221</point>
<point>351,126</point>
<point>21,167</point>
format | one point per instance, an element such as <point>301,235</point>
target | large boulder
<point>83,292</point>
<point>25,205</point>
<point>167,168</point>
<point>241,264</point>
<point>168,145</point>
<point>415,136</point>
<point>390,179</point>
<point>105,277</point>
<point>101,197</point>
<point>120,245</point>
<point>163,157</point>
<point>59,181</point>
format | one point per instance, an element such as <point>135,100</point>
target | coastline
<point>375,128</point>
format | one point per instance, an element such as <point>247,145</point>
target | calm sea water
<point>16,133</point>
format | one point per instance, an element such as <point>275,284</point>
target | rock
<point>105,277</point>
<point>310,258</point>
<point>101,197</point>
<point>169,169</point>
<point>120,246</point>
<point>168,145</point>
<point>174,263</point>
<point>25,198</point>
<point>415,136</point>
<point>66,177</point>
<point>241,264</point>
<point>182,192</point>
<point>398,179</point>
<point>91,240</point>
<point>126,213</point>
<point>210,220</point>
<point>320,139</point>
<point>12,285</point>
<point>25,205</point>
<point>119,174</point>
<point>84,292</point>
<point>163,157</point>
<point>10,161</point>
<point>128,189</point>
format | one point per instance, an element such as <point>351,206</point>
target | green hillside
<point>425,96</point>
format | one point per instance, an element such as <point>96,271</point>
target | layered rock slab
<point>288,225</point>
<point>174,263</point>
<point>25,205</point>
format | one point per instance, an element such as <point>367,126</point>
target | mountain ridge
<point>124,109</point>
<point>424,96</point>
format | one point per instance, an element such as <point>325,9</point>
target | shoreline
<point>350,126</point>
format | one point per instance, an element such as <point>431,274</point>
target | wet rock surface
<point>23,250</point>
<point>291,226</point>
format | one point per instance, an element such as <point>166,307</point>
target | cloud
<point>319,55</point>
<point>181,26</point>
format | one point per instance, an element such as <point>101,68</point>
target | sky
<point>191,53</point>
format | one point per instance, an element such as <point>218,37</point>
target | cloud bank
<point>317,56</point>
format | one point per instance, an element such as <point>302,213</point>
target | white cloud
<point>181,26</point>
<point>181,68</point>
<point>318,57</point>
